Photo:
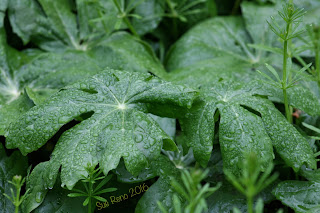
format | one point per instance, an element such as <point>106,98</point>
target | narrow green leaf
<point>273,71</point>
<point>77,195</point>
<point>103,182</point>
<point>311,127</point>
<point>105,191</point>
<point>86,201</point>
<point>100,198</point>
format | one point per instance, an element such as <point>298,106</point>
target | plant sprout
<point>292,18</point>
<point>251,182</point>
<point>92,192</point>
<point>191,191</point>
<point>16,199</point>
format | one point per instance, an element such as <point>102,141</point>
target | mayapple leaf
<point>118,127</point>
<point>240,130</point>
<point>220,48</point>
<point>226,39</point>
<point>12,165</point>
<point>248,123</point>
<point>26,80</point>
<point>123,51</point>
<point>58,30</point>
<point>302,196</point>
<point>13,100</point>
<point>293,148</point>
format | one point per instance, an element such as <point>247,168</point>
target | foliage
<point>101,95</point>
<point>192,191</point>
<point>11,170</point>
<point>91,191</point>
<point>16,198</point>
<point>251,182</point>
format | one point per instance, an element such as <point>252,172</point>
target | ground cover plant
<point>159,106</point>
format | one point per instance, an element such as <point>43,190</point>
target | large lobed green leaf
<point>91,32</point>
<point>226,40</point>
<point>248,123</point>
<point>119,126</point>
<point>220,49</point>
<point>123,51</point>
<point>36,75</point>
<point>28,78</point>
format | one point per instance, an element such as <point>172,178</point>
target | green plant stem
<point>17,200</point>
<point>90,194</point>
<point>131,28</point>
<point>250,204</point>
<point>125,19</point>
<point>284,81</point>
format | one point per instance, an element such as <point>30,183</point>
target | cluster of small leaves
<point>312,43</point>
<point>191,191</point>
<point>293,18</point>
<point>92,192</point>
<point>279,83</point>
<point>16,198</point>
<point>251,182</point>
<point>124,11</point>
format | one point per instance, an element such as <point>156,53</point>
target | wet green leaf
<point>151,15</point>
<point>225,40</point>
<point>41,179</point>
<point>57,30</point>
<point>36,77</point>
<point>302,196</point>
<point>119,126</point>
<point>247,124</point>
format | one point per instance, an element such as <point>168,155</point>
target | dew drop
<point>39,197</point>
<point>30,127</point>
<point>63,119</point>
<point>83,86</point>
<point>138,138</point>
<point>83,110</point>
